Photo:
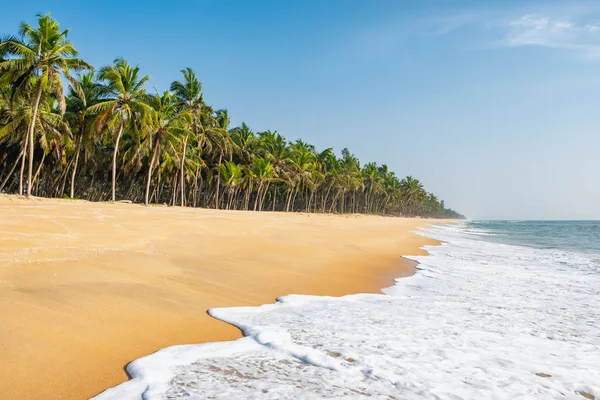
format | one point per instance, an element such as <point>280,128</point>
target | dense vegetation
<point>107,138</point>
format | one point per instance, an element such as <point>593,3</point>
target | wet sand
<point>86,288</point>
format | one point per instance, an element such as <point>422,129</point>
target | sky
<point>493,105</point>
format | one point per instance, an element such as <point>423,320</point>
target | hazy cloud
<point>557,33</point>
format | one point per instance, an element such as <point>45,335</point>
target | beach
<point>86,288</point>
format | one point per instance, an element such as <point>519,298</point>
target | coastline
<point>88,287</point>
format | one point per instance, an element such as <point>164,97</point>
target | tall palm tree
<point>189,96</point>
<point>122,103</point>
<point>35,62</point>
<point>84,93</point>
<point>168,123</point>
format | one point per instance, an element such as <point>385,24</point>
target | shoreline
<point>89,287</point>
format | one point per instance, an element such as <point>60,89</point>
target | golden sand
<point>86,288</point>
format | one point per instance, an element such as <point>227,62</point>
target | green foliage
<point>116,140</point>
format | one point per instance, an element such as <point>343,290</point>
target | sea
<point>500,310</point>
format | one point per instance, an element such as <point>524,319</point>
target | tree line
<point>106,137</point>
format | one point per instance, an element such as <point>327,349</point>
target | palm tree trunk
<point>195,189</point>
<point>62,180</point>
<point>150,172</point>
<point>181,168</point>
<point>326,197</point>
<point>310,201</point>
<point>37,172</point>
<point>114,161</point>
<point>199,186</point>
<point>174,197</point>
<point>264,197</point>
<point>36,104</point>
<point>247,198</point>
<point>23,166</point>
<point>74,173</point>
<point>257,195</point>
<point>294,199</point>
<point>218,181</point>
<point>289,199</point>
<point>334,202</point>
<point>12,170</point>
<point>274,198</point>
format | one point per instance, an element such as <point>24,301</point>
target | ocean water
<point>501,310</point>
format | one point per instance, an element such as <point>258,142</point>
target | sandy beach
<point>86,288</point>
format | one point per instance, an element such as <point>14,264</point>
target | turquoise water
<point>576,236</point>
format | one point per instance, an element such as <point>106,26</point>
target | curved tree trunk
<point>181,170</point>
<point>37,172</point>
<point>264,196</point>
<point>36,104</point>
<point>154,153</point>
<point>23,166</point>
<point>12,170</point>
<point>114,162</point>
<point>294,199</point>
<point>274,197</point>
<point>258,192</point>
<point>76,162</point>
<point>289,199</point>
<point>218,181</point>
<point>310,199</point>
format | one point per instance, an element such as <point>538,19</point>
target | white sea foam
<point>479,321</point>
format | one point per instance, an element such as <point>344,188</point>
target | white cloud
<point>543,31</point>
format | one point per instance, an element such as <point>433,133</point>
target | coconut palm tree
<point>122,104</point>
<point>34,63</point>
<point>413,193</point>
<point>189,97</point>
<point>83,93</point>
<point>231,174</point>
<point>245,141</point>
<point>262,172</point>
<point>170,147</point>
<point>168,125</point>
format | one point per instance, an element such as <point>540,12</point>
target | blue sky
<point>493,105</point>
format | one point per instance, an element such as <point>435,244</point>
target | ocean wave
<point>479,320</point>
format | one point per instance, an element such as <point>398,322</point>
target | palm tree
<point>231,173</point>
<point>244,140</point>
<point>34,62</point>
<point>189,96</point>
<point>167,124</point>
<point>165,140</point>
<point>84,93</point>
<point>413,193</point>
<point>122,102</point>
<point>263,173</point>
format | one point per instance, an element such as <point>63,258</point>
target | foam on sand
<point>479,320</point>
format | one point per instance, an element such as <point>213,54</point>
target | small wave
<point>499,321</point>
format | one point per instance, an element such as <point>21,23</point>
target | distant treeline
<point>107,138</point>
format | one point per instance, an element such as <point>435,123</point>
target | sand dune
<point>87,287</point>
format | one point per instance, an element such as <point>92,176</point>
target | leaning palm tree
<point>123,103</point>
<point>34,62</point>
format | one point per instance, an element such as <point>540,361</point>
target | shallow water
<point>481,319</point>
